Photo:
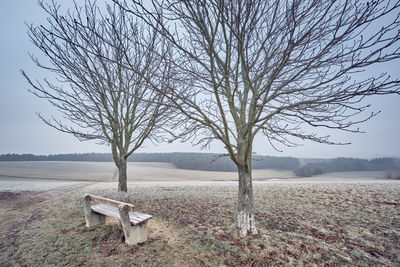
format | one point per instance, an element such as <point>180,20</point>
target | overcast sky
<point>23,132</point>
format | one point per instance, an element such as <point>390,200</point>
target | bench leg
<point>134,234</point>
<point>138,234</point>
<point>92,218</point>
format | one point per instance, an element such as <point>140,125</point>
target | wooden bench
<point>133,223</point>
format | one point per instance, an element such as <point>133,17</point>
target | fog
<point>23,132</point>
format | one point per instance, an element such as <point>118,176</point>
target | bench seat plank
<point>135,217</point>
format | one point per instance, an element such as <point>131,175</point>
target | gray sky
<point>23,132</point>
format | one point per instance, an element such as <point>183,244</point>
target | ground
<point>300,222</point>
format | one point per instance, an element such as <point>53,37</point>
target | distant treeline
<point>214,162</point>
<point>191,161</point>
<point>347,164</point>
<point>101,157</point>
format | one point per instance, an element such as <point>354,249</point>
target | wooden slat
<point>140,216</point>
<point>106,210</point>
<point>111,202</point>
<point>135,217</point>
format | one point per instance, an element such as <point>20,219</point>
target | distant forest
<point>191,161</point>
<point>215,162</point>
<point>347,164</point>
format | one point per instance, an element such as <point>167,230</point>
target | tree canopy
<point>100,98</point>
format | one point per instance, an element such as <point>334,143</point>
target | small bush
<point>307,171</point>
<point>392,174</point>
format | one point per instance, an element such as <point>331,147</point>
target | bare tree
<point>101,100</point>
<point>271,67</point>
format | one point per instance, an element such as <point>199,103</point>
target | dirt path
<point>19,208</point>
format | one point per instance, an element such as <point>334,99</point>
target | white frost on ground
<point>24,184</point>
<point>18,184</point>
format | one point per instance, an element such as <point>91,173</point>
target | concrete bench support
<point>92,218</point>
<point>134,234</point>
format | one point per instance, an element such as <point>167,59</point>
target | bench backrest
<point>110,202</point>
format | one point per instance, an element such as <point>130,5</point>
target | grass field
<point>106,171</point>
<point>326,221</point>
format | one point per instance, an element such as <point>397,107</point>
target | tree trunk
<point>122,180</point>
<point>245,206</point>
